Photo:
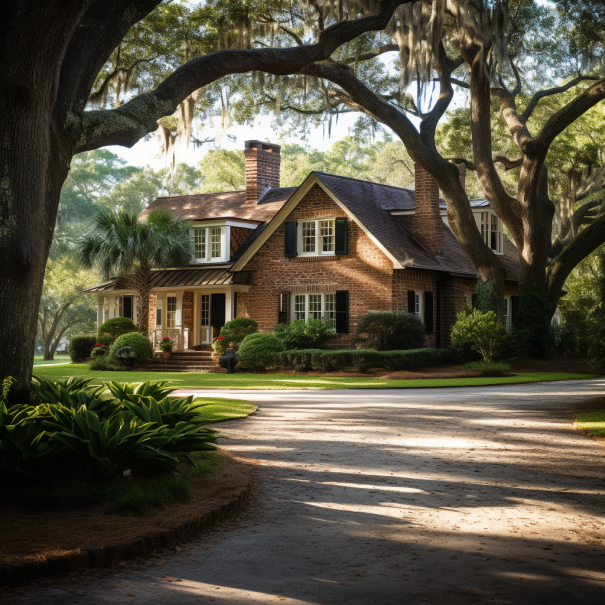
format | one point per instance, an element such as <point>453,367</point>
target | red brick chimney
<point>262,169</point>
<point>428,225</point>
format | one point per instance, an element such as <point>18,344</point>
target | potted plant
<point>166,346</point>
<point>219,345</point>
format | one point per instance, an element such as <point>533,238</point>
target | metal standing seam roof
<point>179,278</point>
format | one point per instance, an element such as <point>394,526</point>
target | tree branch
<point>541,94</point>
<point>133,120</point>
<point>372,54</point>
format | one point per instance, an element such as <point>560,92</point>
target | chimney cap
<point>260,144</point>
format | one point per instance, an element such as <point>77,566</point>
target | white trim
<point>287,209</point>
<point>420,302</point>
<point>306,311</point>
<point>318,243</point>
<point>225,236</point>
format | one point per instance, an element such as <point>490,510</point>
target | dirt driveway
<point>394,497</point>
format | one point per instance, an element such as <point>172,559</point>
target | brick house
<point>333,247</point>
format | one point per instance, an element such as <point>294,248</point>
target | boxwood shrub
<point>136,340</point>
<point>81,346</point>
<point>362,361</point>
<point>259,351</point>
<point>386,331</point>
<point>116,326</point>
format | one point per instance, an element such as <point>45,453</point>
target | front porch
<point>189,306</point>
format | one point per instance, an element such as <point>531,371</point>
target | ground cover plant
<point>297,381</point>
<point>386,331</point>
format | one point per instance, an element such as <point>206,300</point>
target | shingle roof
<point>230,204</point>
<point>179,278</point>
<point>371,204</point>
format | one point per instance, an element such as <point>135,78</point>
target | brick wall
<point>428,225</point>
<point>262,168</point>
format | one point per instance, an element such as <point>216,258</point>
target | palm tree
<point>122,245</point>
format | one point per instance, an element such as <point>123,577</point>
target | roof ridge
<point>350,178</point>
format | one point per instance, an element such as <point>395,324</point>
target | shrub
<point>259,351</point>
<point>166,345</point>
<point>384,331</point>
<point>362,361</point>
<point>99,350</point>
<point>300,334</point>
<point>104,363</point>
<point>478,331</point>
<point>116,327</point>
<point>136,340</point>
<point>233,333</point>
<point>81,346</point>
<point>488,369</point>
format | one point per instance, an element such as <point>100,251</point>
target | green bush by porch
<point>116,326</point>
<point>139,342</point>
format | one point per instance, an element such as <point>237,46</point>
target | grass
<point>189,380</point>
<point>58,359</point>
<point>592,422</point>
<point>218,409</point>
<point>495,368</point>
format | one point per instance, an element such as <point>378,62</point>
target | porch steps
<point>185,361</point>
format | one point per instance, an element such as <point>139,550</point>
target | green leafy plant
<point>166,345</point>
<point>494,368</point>
<point>80,347</point>
<point>139,342</point>
<point>300,334</point>
<point>478,331</point>
<point>105,363</point>
<point>259,351</point>
<point>116,327</point>
<point>386,331</point>
<point>99,351</point>
<point>233,333</point>
<point>132,391</point>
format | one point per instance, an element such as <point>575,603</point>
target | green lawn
<point>292,381</point>
<point>58,359</point>
<point>592,422</point>
<point>217,409</point>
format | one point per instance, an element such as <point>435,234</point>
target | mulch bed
<point>36,544</point>
<point>557,363</point>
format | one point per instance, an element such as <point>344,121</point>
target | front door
<point>206,328</point>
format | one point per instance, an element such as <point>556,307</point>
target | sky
<point>147,153</point>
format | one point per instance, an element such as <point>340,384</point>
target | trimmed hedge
<point>136,340</point>
<point>259,351</point>
<point>80,347</point>
<point>362,361</point>
<point>389,331</point>
<point>116,326</point>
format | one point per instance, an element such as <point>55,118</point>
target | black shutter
<point>341,241</point>
<point>283,309</point>
<point>411,301</point>
<point>217,310</point>
<point>342,311</point>
<point>474,301</point>
<point>127,307</point>
<point>290,239</point>
<point>514,303</point>
<point>234,305</point>
<point>428,312</point>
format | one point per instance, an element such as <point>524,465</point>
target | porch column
<point>100,311</point>
<point>112,307</point>
<point>179,309</point>
<point>228,306</point>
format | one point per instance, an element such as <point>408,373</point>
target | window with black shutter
<point>342,244</point>
<point>411,301</point>
<point>283,309</point>
<point>290,239</point>
<point>342,311</point>
<point>428,312</point>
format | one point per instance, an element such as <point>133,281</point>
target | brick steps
<point>185,361</point>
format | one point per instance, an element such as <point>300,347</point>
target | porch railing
<point>179,336</point>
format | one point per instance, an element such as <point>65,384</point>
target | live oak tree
<point>52,55</point>
<point>499,53</point>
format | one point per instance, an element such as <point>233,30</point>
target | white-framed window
<point>418,309</point>
<point>314,305</point>
<point>210,244</point>
<point>158,312</point>
<point>507,313</point>
<point>316,237</point>
<point>171,311</point>
<point>491,231</point>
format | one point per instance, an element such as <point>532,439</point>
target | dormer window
<point>210,244</point>
<point>491,231</point>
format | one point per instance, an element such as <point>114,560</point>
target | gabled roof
<point>370,205</point>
